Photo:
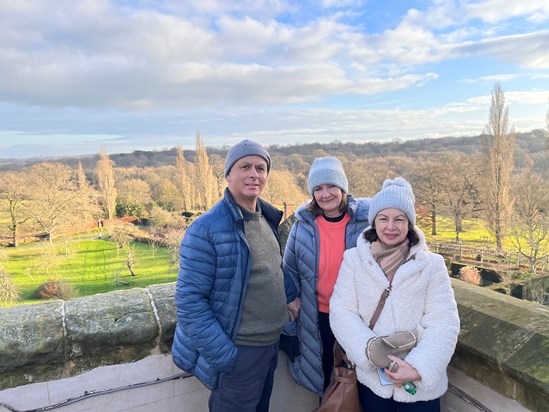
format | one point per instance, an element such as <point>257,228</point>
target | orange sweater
<point>332,246</point>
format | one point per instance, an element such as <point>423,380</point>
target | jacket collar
<point>271,213</point>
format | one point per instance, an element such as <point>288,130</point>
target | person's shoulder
<point>360,206</point>
<point>217,212</point>
<point>352,253</point>
<point>435,258</point>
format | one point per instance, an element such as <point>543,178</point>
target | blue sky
<point>78,76</point>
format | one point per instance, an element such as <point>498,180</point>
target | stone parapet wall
<point>58,339</point>
<point>503,343</point>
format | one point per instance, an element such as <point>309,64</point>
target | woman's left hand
<point>405,372</point>
<point>293,309</point>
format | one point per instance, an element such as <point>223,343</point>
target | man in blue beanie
<point>230,298</point>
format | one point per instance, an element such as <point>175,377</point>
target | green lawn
<point>475,234</point>
<point>90,266</point>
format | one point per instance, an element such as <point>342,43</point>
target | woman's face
<point>329,199</point>
<point>391,226</point>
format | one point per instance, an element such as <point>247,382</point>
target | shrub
<point>521,275</point>
<point>470,274</point>
<point>9,294</point>
<point>54,288</point>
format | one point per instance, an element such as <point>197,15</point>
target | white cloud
<point>524,50</point>
<point>493,11</point>
<point>143,59</point>
<point>146,67</point>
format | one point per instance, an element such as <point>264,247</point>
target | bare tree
<point>461,183</point>
<point>183,181</point>
<point>499,148</point>
<point>50,259</point>
<point>89,195</point>
<point>13,191</point>
<point>81,176</point>
<point>107,184</point>
<point>363,184</point>
<point>172,239</point>
<point>56,202</point>
<point>282,187</point>
<point>205,181</point>
<point>428,179</point>
<point>154,243</point>
<point>123,235</point>
<point>530,221</point>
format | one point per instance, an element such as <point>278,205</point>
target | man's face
<point>247,178</point>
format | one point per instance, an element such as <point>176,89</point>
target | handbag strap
<point>380,305</point>
<point>340,357</point>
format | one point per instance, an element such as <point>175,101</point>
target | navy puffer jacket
<point>300,263</point>
<point>211,287</point>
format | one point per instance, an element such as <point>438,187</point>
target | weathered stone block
<point>115,325</point>
<point>164,300</point>
<point>31,334</point>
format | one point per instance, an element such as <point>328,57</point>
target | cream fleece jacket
<point>421,298</point>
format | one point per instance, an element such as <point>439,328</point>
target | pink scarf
<point>390,259</point>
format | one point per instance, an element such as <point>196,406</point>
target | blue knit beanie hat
<point>327,171</point>
<point>243,149</point>
<point>396,193</point>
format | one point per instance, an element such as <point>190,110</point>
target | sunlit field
<point>88,264</point>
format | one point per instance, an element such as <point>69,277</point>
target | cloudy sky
<point>123,75</point>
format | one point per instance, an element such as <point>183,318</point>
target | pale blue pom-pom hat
<point>395,193</point>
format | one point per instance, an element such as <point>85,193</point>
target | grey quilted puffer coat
<point>300,263</point>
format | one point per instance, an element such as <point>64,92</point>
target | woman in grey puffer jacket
<point>325,227</point>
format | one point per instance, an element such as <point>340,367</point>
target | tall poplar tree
<point>498,150</point>
<point>204,178</point>
<point>183,181</point>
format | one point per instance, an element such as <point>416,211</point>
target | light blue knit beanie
<point>327,171</point>
<point>243,149</point>
<point>396,193</point>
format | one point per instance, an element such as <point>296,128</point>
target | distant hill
<point>533,144</point>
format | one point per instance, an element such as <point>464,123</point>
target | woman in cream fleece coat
<point>421,299</point>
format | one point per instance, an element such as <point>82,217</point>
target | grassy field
<point>88,264</point>
<point>474,233</point>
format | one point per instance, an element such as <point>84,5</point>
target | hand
<point>402,372</point>
<point>290,346</point>
<point>294,308</point>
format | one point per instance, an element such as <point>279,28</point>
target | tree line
<point>494,179</point>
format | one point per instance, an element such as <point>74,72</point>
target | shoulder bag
<point>341,395</point>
